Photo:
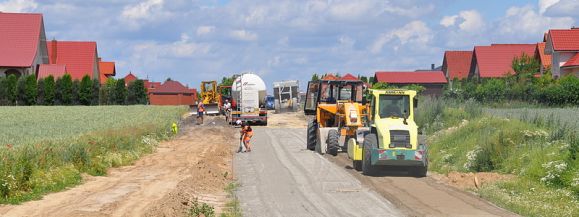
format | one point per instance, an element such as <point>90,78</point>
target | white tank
<point>249,90</point>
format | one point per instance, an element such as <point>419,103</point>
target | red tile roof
<point>329,77</point>
<point>496,60</point>
<point>420,77</point>
<point>565,39</point>
<point>107,69</point>
<point>80,57</point>
<point>19,38</point>
<point>130,78</point>
<point>573,61</point>
<point>57,71</point>
<point>457,63</point>
<point>349,77</point>
<point>545,59</point>
<point>172,87</point>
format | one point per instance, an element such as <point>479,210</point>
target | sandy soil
<point>197,164</point>
<point>466,181</point>
<point>287,120</point>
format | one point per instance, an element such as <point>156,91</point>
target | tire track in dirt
<point>196,164</point>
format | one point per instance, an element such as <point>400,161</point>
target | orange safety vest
<point>201,107</point>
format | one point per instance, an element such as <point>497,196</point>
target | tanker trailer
<point>249,91</point>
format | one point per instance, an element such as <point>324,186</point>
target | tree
<point>380,86</point>
<point>363,78</point>
<point>49,90</point>
<point>120,92</point>
<point>315,77</point>
<point>96,86</point>
<point>40,92</point>
<point>525,67</point>
<point>21,90</point>
<point>64,90</point>
<point>30,90</point>
<point>227,81</point>
<point>10,89</point>
<point>85,91</point>
<point>371,80</point>
<point>108,92</point>
<point>75,92</point>
<point>137,93</point>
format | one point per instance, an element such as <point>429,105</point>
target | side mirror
<point>415,103</point>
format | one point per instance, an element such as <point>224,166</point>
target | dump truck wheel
<point>333,142</point>
<point>311,142</point>
<point>357,165</point>
<point>420,171</point>
<point>370,141</point>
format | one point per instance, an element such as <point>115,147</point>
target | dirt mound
<point>470,180</point>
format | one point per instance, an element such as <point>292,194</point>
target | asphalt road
<point>281,178</point>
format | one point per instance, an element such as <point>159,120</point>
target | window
<point>394,106</point>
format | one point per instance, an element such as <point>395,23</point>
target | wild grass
<point>233,208</point>
<point>536,145</point>
<point>57,144</point>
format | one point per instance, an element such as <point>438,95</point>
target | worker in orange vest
<point>246,134</point>
<point>200,111</point>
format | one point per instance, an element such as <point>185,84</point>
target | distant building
<point>495,61</point>
<point>563,46</point>
<point>130,78</point>
<point>432,81</point>
<point>22,44</point>
<point>106,70</point>
<point>545,59</point>
<point>173,93</point>
<point>456,64</point>
<point>79,57</point>
<point>46,70</point>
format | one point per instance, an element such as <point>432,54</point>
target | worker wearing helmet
<point>246,134</point>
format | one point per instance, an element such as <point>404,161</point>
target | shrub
<point>137,93</point>
<point>3,91</point>
<point>49,90</point>
<point>30,90</point>
<point>85,91</point>
<point>120,92</point>
<point>96,85</point>
<point>63,94</point>
<point>491,90</point>
<point>40,91</point>
<point>76,92</point>
<point>20,90</point>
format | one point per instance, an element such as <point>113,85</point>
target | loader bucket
<point>212,109</point>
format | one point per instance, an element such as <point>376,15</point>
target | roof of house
<point>457,63</point>
<point>543,57</point>
<point>420,77</point>
<point>349,77</point>
<point>172,87</point>
<point>565,39</point>
<point>329,77</point>
<point>573,61</point>
<point>106,69</point>
<point>19,38</point>
<point>45,70</point>
<point>496,60</point>
<point>130,78</point>
<point>80,57</point>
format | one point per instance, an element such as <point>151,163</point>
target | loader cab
<point>393,104</point>
<point>332,92</point>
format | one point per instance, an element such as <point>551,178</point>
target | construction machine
<point>210,97</point>
<point>391,138</point>
<point>340,110</point>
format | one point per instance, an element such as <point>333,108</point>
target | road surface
<point>281,178</point>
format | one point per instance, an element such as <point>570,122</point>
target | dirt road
<point>197,164</point>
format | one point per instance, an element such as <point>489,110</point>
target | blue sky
<point>194,40</point>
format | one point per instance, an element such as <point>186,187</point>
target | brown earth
<point>287,120</point>
<point>195,165</point>
<point>466,181</point>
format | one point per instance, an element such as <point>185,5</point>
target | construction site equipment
<point>340,110</point>
<point>249,93</point>
<point>392,136</point>
<point>210,97</point>
<point>286,96</point>
<point>223,94</point>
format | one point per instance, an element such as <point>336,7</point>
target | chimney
<point>99,59</point>
<point>54,55</point>
<point>432,66</point>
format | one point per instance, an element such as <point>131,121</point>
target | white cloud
<point>413,32</point>
<point>141,10</point>
<point>18,6</point>
<point>469,21</point>
<point>204,30</point>
<point>563,8</point>
<point>244,35</point>
<point>545,4</point>
<point>522,21</point>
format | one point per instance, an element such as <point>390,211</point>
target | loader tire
<point>357,164</point>
<point>333,142</point>
<point>370,141</point>
<point>420,171</point>
<point>312,136</point>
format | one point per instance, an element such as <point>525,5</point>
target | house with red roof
<point>106,70</point>
<point>22,43</point>
<point>563,46</point>
<point>79,57</point>
<point>456,64</point>
<point>495,61</point>
<point>130,78</point>
<point>544,59</point>
<point>173,93</point>
<point>55,70</point>
<point>432,81</point>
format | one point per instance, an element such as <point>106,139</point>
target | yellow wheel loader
<point>392,136</point>
<point>210,97</point>
<point>339,109</point>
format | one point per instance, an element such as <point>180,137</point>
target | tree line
<point>27,90</point>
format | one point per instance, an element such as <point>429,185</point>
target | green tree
<point>120,92</point>
<point>493,90</point>
<point>85,91</point>
<point>40,92</point>
<point>96,86</point>
<point>137,93</point>
<point>21,91</point>
<point>415,87</point>
<point>76,92</point>
<point>49,90</point>
<point>380,86</point>
<point>108,92</point>
<point>315,77</point>
<point>363,78</point>
<point>10,89</point>
<point>525,67</point>
<point>372,80</point>
<point>64,90</point>
<point>227,81</point>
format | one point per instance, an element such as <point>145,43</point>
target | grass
<point>539,146</point>
<point>233,206</point>
<point>50,147</point>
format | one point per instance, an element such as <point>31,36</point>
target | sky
<point>195,40</point>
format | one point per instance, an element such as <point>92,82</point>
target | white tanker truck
<point>249,91</point>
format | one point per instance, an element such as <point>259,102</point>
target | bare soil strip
<point>196,164</point>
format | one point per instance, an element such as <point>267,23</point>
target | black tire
<point>312,136</point>
<point>357,164</point>
<point>333,142</point>
<point>420,171</point>
<point>370,141</point>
